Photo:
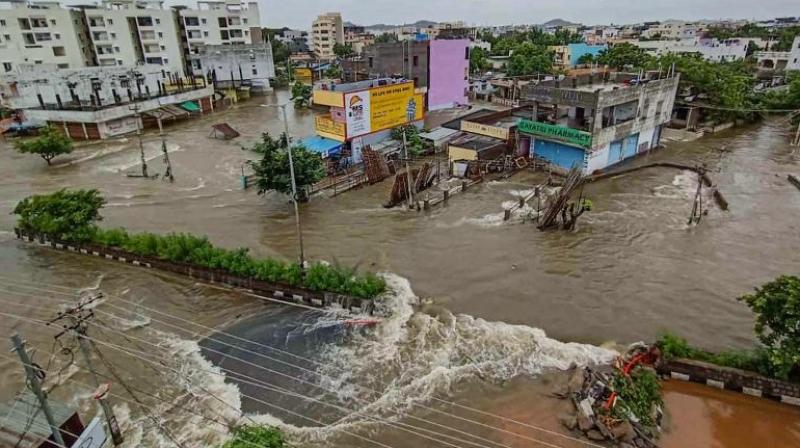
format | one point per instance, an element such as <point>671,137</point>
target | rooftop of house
<point>475,142</point>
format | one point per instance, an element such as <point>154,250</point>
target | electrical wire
<point>464,407</point>
<point>144,357</point>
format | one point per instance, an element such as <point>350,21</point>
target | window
<point>160,34</point>
<point>110,22</point>
<point>52,21</point>
<point>162,47</point>
<point>223,34</point>
<point>244,20</point>
<point>113,35</point>
<point>466,51</point>
<point>416,61</point>
<point>223,22</point>
<point>7,66</point>
<point>205,33</point>
<point>7,37</point>
<point>370,62</point>
<point>2,22</point>
<point>144,21</point>
<point>659,106</point>
<point>57,36</point>
<point>158,21</point>
<point>255,72</point>
<point>116,49</point>
<point>119,62</point>
<point>191,21</point>
<point>59,51</point>
<point>62,66</point>
<point>203,21</point>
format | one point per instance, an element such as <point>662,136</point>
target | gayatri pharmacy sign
<point>565,134</point>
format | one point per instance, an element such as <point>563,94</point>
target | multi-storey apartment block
<point>36,33</point>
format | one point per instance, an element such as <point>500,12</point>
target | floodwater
<point>479,306</point>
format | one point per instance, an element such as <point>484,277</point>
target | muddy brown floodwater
<point>479,305</point>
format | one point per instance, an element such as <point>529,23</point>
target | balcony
<point>96,22</point>
<point>100,36</point>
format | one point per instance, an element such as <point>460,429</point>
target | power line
<point>134,354</point>
<point>468,408</point>
<point>401,426</point>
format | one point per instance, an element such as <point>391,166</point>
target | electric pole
<point>135,109</point>
<point>168,172</point>
<point>33,380</point>
<point>78,318</point>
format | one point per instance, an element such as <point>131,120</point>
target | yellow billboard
<point>329,128</point>
<point>304,75</point>
<point>328,98</point>
<point>395,105</point>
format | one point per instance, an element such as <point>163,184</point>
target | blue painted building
<point>578,50</point>
<point>595,124</point>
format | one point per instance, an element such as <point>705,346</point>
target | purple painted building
<point>448,73</point>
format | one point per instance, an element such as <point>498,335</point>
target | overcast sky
<point>300,13</point>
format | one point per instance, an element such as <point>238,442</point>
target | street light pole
<point>294,185</point>
<point>294,191</point>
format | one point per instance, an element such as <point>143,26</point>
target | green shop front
<point>559,145</point>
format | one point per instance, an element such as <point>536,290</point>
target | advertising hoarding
<point>382,108</point>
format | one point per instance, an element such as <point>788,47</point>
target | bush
<point>249,436</point>
<point>637,394</point>
<point>65,215</point>
<point>755,360</point>
<point>71,216</point>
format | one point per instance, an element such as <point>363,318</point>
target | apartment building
<point>127,32</point>
<point>121,32</point>
<point>231,66</point>
<point>42,32</point>
<point>327,30</point>
<point>223,22</point>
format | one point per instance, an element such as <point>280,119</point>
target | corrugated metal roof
<point>438,134</point>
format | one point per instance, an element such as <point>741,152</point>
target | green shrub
<point>637,394</point>
<point>249,436</point>
<point>755,360</point>
<point>71,216</point>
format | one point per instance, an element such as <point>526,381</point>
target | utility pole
<point>409,190</point>
<point>78,318</point>
<point>168,172</point>
<point>36,386</point>
<point>135,109</point>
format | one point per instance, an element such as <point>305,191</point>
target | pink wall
<point>449,68</point>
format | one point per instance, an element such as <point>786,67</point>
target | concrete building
<point>42,32</point>
<point>101,102</point>
<point>232,66</point>
<point>567,56</point>
<point>358,38</point>
<point>448,73</point>
<point>126,32</point>
<point>596,123</point>
<point>438,67</point>
<point>228,22</point>
<point>713,50</point>
<point>794,55</point>
<point>326,31</point>
<point>672,29</point>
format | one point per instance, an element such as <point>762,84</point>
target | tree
<point>587,58</point>
<point>343,51</point>
<point>386,38</point>
<point>478,61</point>
<point>777,309</point>
<point>272,171</point>
<point>48,144</point>
<point>249,436</point>
<point>65,215</point>
<point>621,55</point>
<point>334,71</point>
<point>414,142</point>
<point>301,94</point>
<point>529,59</point>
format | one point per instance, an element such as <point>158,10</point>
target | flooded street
<point>479,306</point>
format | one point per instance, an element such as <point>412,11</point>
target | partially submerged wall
<point>728,378</point>
<point>276,291</point>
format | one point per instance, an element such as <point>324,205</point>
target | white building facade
<point>794,55</point>
<point>711,49</point>
<point>228,22</point>
<point>236,65</point>
<point>127,32</point>
<point>42,33</point>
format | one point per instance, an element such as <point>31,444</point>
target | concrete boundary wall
<point>276,291</point>
<point>728,378</point>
